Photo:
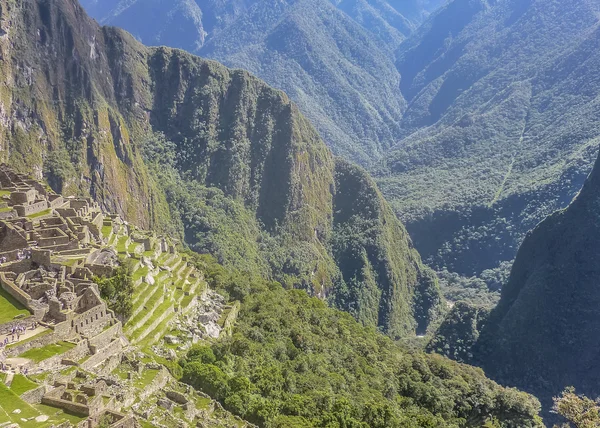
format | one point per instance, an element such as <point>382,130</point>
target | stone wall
<point>41,257</point>
<point>76,408</point>
<point>7,327</point>
<point>15,292</point>
<point>92,321</point>
<point>41,341</point>
<point>11,238</point>
<point>103,339</point>
<point>35,396</point>
<point>159,382</point>
<point>56,201</point>
<point>7,214</point>
<point>75,354</point>
<point>230,320</point>
<point>34,208</point>
<point>103,354</point>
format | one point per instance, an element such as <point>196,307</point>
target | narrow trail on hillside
<point>510,167</point>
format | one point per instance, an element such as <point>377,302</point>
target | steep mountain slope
<point>543,335</point>
<point>335,59</point>
<point>186,145</point>
<point>294,362</point>
<point>500,125</point>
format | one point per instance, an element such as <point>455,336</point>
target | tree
<point>582,411</point>
<point>117,290</point>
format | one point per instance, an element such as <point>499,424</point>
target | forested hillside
<point>334,59</point>
<point>294,362</point>
<point>212,155</point>
<point>543,335</point>
<point>501,126</point>
<point>476,117</point>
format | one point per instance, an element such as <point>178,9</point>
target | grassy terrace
<point>138,334</point>
<point>159,331</point>
<point>121,244</point>
<point>140,273</point>
<point>21,384</point>
<point>146,378</point>
<point>10,308</point>
<point>40,214</point>
<point>40,354</point>
<point>4,193</point>
<point>37,336</point>
<point>133,247</point>
<point>152,303</point>
<point>10,401</point>
<point>106,231</point>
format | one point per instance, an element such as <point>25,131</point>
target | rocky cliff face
<point>80,101</point>
<point>543,336</point>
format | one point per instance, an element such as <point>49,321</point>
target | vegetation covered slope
<point>335,59</point>
<point>500,128</point>
<point>489,107</point>
<point>188,146</point>
<point>294,362</point>
<point>543,335</point>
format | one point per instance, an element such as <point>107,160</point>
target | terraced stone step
<point>155,335</point>
<point>163,311</point>
<point>155,301</point>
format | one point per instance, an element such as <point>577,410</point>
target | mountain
<point>500,126</point>
<point>209,154</point>
<point>543,334</point>
<point>334,59</point>
<point>477,117</point>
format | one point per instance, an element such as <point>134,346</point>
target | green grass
<point>149,254</point>
<point>21,384</point>
<point>10,401</point>
<point>139,273</point>
<point>10,307</point>
<point>132,247</point>
<point>71,262</point>
<point>146,378</point>
<point>106,230</point>
<point>58,415</point>
<point>4,193</point>
<point>40,354</point>
<point>156,295</point>
<point>161,328</point>
<point>145,423</point>
<point>5,209</point>
<point>203,403</point>
<point>121,248</point>
<point>40,214</point>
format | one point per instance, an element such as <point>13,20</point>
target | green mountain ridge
<point>213,155</point>
<point>542,336</point>
<point>334,59</point>
<point>499,130</point>
<point>476,117</point>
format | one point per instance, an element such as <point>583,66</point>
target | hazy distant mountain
<point>501,126</point>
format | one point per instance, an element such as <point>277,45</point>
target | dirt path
<point>29,333</point>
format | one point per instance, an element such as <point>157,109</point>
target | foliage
<point>577,409</point>
<point>483,290</point>
<point>293,361</point>
<point>542,335</point>
<point>459,332</point>
<point>300,47</point>
<point>362,257</point>
<point>118,290</point>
